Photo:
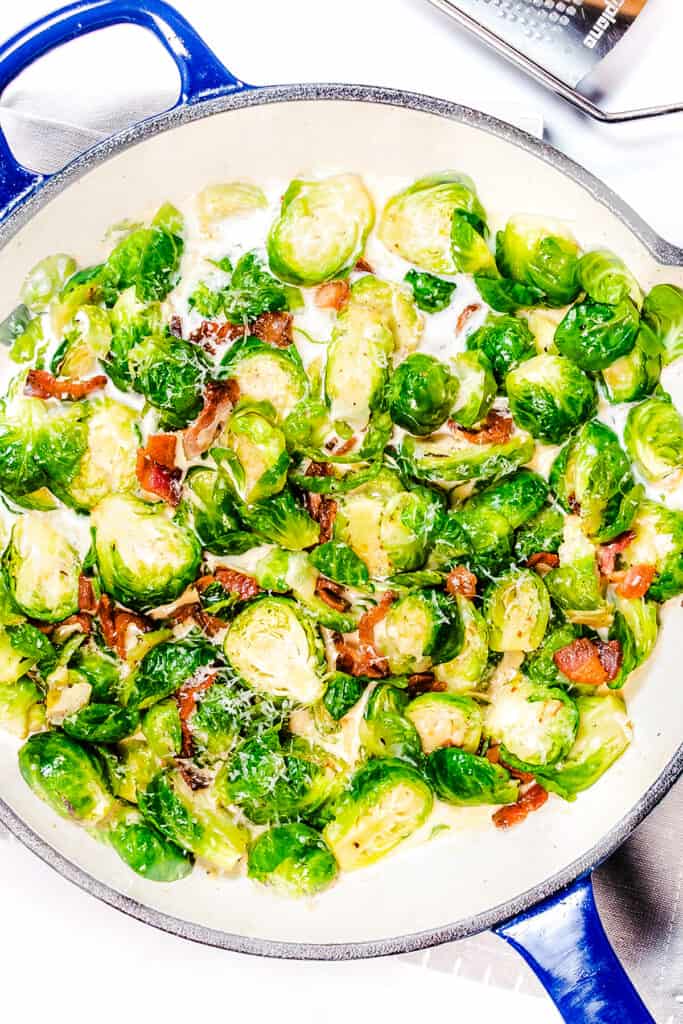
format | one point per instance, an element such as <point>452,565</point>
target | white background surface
<point>62,953</point>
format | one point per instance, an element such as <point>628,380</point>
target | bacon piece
<point>424,682</point>
<point>213,330</point>
<point>175,326</point>
<point>332,295</point>
<point>105,614</point>
<point>162,449</point>
<point>580,661</point>
<point>611,657</point>
<point>81,622</point>
<point>87,602</point>
<point>274,328</point>
<point>461,581</point>
<point>466,315</point>
<point>209,624</point>
<point>544,558</point>
<point>332,594</point>
<point>156,479</point>
<point>607,553</point>
<point>361,661</point>
<point>637,581</point>
<point>41,384</point>
<point>368,621</point>
<point>513,814</point>
<point>324,511</point>
<point>496,429</point>
<point>363,266</point>
<point>335,448</point>
<point>186,699</point>
<point>114,623</point>
<point>493,755</point>
<point>219,400</point>
<point>238,583</point>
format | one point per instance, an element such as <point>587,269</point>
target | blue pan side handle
<point>564,943</point>
<point>202,75</point>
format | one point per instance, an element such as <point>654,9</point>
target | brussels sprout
<point>604,734</point>
<point>216,203</point>
<point>357,365</point>
<point>543,532</point>
<point>385,803</point>
<point>636,375</point>
<point>343,693</point>
<point>592,477</point>
<point>421,393</point>
<point>393,305</point>
<point>42,569</point>
<point>101,723</point>
<point>162,729</point>
<point>25,434</point>
<point>635,626</point>
<point>506,341</point>
<point>658,542</point>
<point>208,504</point>
<point>465,779</point>
<point>148,260</point>
<point>109,460</point>
<point>542,253</point>
<point>593,335</point>
<point>431,293</point>
<point>21,707</point>
<point>22,647</point>
<point>340,563</point>
<point>253,455</point>
<point>540,665</point>
<point>294,859</point>
<point>471,254</point>
<point>102,673</point>
<point>131,323</point>
<point>45,280</point>
<point>535,725</point>
<point>280,571</point>
<point>606,279</point>
<point>449,544</point>
<point>446,720</point>
<point>476,388</point>
<point>417,222</point>
<point>384,730</point>
<point>272,782</point>
<point>653,436</point>
<point>466,670</point>
<point>250,291</point>
<point>192,820</point>
<point>280,520</point>
<point>321,230</point>
<point>266,374</point>
<point>85,344</point>
<point>405,529</point>
<point>550,396</point>
<point>66,776</point>
<point>663,313</point>
<point>506,296</point>
<point>420,630</point>
<point>517,609</point>
<point>576,586</point>
<point>145,850</point>
<point>165,668</point>
<point>450,459</point>
<point>129,767</point>
<point>276,650</point>
<point>517,497</point>
<point>144,558</point>
<point>170,373</point>
<point>228,712</point>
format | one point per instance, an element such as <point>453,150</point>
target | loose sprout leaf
<point>431,293</point>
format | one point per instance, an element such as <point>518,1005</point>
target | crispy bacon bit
<point>611,657</point>
<point>274,328</point>
<point>213,330</point>
<point>424,682</point>
<point>461,581</point>
<point>362,265</point>
<point>105,614</point>
<point>514,814</point>
<point>162,448</point>
<point>242,586</point>
<point>580,661</point>
<point>332,594</point>
<point>637,581</point>
<point>114,623</point>
<point>496,429</point>
<point>607,553</point>
<point>368,621</point>
<point>319,507</point>
<point>41,384</point>
<point>156,479</point>
<point>209,624</point>
<point>175,326</point>
<point>493,755</point>
<point>87,602</point>
<point>219,400</point>
<point>361,661</point>
<point>80,622</point>
<point>186,699</point>
<point>194,777</point>
<point>334,447</point>
<point>332,295</point>
<point>466,315</point>
<point>543,558</point>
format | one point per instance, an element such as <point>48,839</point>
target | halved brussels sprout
<point>131,322</point>
<point>604,734</point>
<point>605,278</point>
<point>109,460</point>
<point>321,230</point>
<point>653,436</point>
<point>218,202</point>
<point>46,279</point>
<point>170,373</point>
<point>636,375</point>
<point>446,720</point>
<point>663,313</point>
<point>466,670</point>
<point>543,532</point>
<point>420,630</point>
<point>227,713</point>
<point>66,776</point>
<point>340,563</point>
<point>357,365</point>
<point>294,859</point>
<point>25,428</point>
<point>85,344</point>
<point>266,374</point>
<point>392,304</point>
<point>280,571</point>
<point>550,396</point>
<point>470,250</point>
<point>449,459</point>
<point>593,334</point>
<point>147,259</point>
<point>22,710</point>
<point>209,505</point>
<point>165,668</point>
<point>275,649</point>
<point>252,453</point>
<point>465,779</point>
<point>145,850</point>
<point>506,341</point>
<point>42,569</point>
<point>281,520</point>
<point>517,609</point>
<point>535,725</point>
<point>476,388</point>
<point>635,626</point>
<point>385,803</point>
<point>576,586</point>
<point>162,729</point>
<point>592,477</point>
<point>543,253</point>
<point>144,558</point>
<point>417,222</point>
<point>193,820</point>
<point>421,393</point>
<point>384,730</point>
<point>659,542</point>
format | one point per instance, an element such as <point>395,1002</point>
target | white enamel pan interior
<point>475,876</point>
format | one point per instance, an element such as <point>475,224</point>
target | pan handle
<point>564,943</point>
<point>202,75</point>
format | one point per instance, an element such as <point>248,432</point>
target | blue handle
<point>564,943</point>
<point>202,75</point>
